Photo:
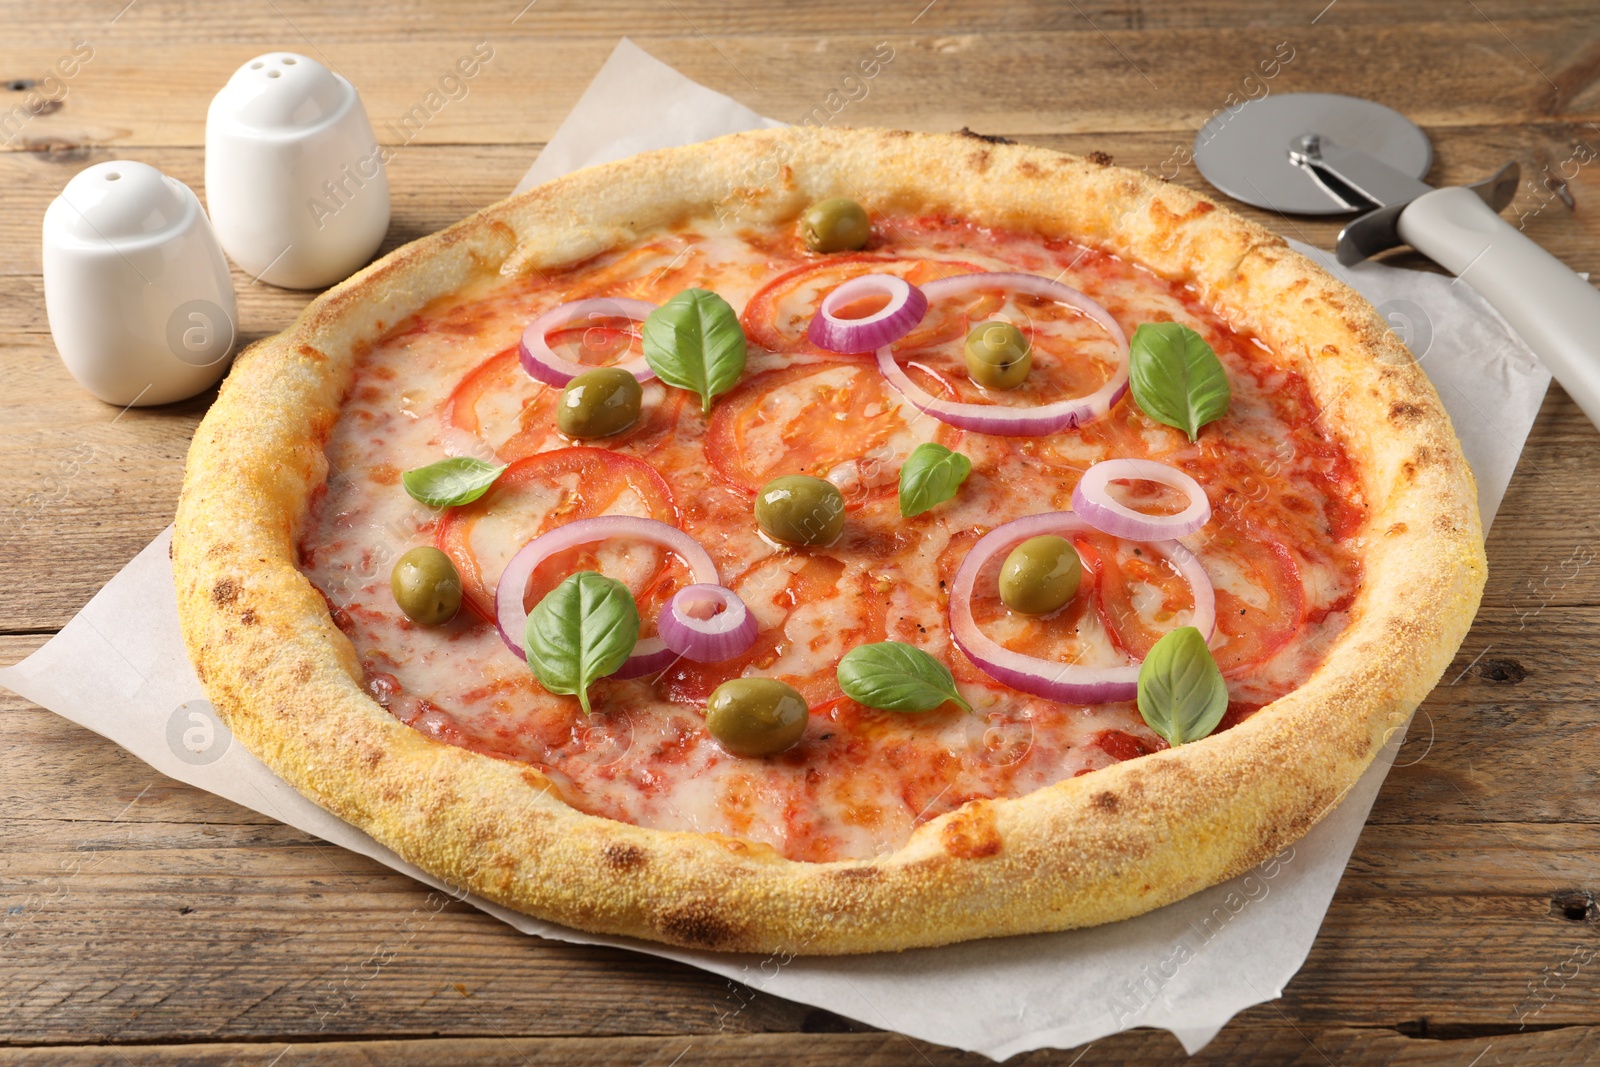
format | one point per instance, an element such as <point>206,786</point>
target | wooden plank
<point>194,23</point>
<point>293,946</point>
<point>1280,1044</point>
<point>1524,70</point>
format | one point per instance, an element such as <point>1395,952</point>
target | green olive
<point>837,225</point>
<point>426,586</point>
<point>1040,575</point>
<point>756,716</point>
<point>599,403</point>
<point>798,509</point>
<point>998,356</point>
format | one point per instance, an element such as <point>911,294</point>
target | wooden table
<point>145,921</point>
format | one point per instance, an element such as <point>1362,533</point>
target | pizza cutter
<point>1327,154</point>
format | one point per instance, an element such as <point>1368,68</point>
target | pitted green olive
<point>798,509</point>
<point>756,716</point>
<point>998,355</point>
<point>599,403</point>
<point>1040,575</point>
<point>837,225</point>
<point>426,586</point>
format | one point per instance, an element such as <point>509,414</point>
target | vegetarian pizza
<point>829,541</point>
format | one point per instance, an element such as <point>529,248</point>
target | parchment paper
<point>119,669</point>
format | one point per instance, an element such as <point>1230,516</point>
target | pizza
<point>829,541</point>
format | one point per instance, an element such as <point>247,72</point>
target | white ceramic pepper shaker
<point>136,286</point>
<point>294,174</point>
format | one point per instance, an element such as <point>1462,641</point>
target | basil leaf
<point>1176,377</point>
<point>458,480</point>
<point>931,475</point>
<point>584,629</point>
<point>694,342</point>
<point>1181,692</point>
<point>896,677</point>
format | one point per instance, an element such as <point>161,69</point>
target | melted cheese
<point>861,780</point>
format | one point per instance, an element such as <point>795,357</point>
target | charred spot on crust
<point>1404,411</point>
<point>971,833</point>
<point>1029,169</point>
<point>1099,158</point>
<point>979,160</point>
<point>622,856</point>
<point>248,617</point>
<point>694,923</point>
<point>987,138</point>
<point>1107,802</point>
<point>225,591</point>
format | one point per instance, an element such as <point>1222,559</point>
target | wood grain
<point>143,921</point>
<point>1522,71</point>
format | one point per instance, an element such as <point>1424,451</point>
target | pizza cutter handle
<point>1556,312</point>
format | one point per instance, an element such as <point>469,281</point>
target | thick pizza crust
<point>1094,849</point>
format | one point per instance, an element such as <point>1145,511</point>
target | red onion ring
<point>888,324</point>
<point>541,362</point>
<point>710,638</point>
<point>511,616</point>
<point>998,419</point>
<point>1067,682</point>
<point>1093,503</point>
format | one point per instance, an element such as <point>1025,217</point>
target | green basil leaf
<point>896,677</point>
<point>694,342</point>
<point>1181,692</point>
<point>584,629</point>
<point>1176,377</point>
<point>459,480</point>
<point>931,475</point>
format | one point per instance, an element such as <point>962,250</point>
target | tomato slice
<point>540,492</point>
<point>1260,597</point>
<point>810,601</point>
<point>1261,601</point>
<point>655,271</point>
<point>516,414</point>
<point>836,420</point>
<point>1121,745</point>
<point>1138,592</point>
<point>778,315</point>
<point>499,380</point>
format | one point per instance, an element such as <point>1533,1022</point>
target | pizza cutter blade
<point>1326,154</point>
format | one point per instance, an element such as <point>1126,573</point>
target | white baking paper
<point>119,669</point>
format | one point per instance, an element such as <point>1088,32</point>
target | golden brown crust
<point>1094,849</point>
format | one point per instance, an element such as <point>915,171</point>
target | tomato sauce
<point>1280,548</point>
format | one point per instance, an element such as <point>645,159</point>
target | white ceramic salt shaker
<point>136,286</point>
<point>294,174</point>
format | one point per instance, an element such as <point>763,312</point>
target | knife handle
<point>1556,312</point>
